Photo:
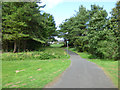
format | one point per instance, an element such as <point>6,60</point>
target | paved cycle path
<point>83,74</point>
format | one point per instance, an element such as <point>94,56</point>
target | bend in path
<point>83,74</point>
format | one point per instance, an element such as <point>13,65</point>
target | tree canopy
<point>23,22</point>
<point>24,26</point>
<point>92,31</point>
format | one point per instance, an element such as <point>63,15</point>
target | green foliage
<point>42,54</point>
<point>93,32</point>
<point>74,27</point>
<point>23,21</point>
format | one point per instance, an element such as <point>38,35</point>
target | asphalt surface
<point>83,74</point>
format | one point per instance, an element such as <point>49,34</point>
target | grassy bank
<point>110,67</point>
<point>41,54</point>
<point>29,70</point>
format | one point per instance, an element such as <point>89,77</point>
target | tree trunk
<point>15,46</point>
<point>24,48</point>
<point>5,46</point>
<point>18,45</point>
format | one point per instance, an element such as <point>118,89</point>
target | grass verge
<point>32,72</point>
<point>110,67</point>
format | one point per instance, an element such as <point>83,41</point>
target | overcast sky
<point>63,9</point>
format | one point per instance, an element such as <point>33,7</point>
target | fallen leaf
<point>24,84</point>
<point>18,82</point>
<point>8,84</point>
<point>14,86</point>
<point>30,77</point>
<point>39,69</point>
<point>32,80</point>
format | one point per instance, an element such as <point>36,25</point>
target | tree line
<point>25,26</point>
<point>94,32</point>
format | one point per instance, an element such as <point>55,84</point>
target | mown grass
<point>31,71</point>
<point>31,74</point>
<point>110,67</point>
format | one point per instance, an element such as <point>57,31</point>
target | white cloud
<point>51,3</point>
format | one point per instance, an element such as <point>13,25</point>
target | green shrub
<point>41,54</point>
<point>108,49</point>
<point>44,56</point>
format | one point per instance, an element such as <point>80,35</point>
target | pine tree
<point>22,22</point>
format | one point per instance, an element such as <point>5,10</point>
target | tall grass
<point>44,54</point>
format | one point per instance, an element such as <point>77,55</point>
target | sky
<point>64,9</point>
